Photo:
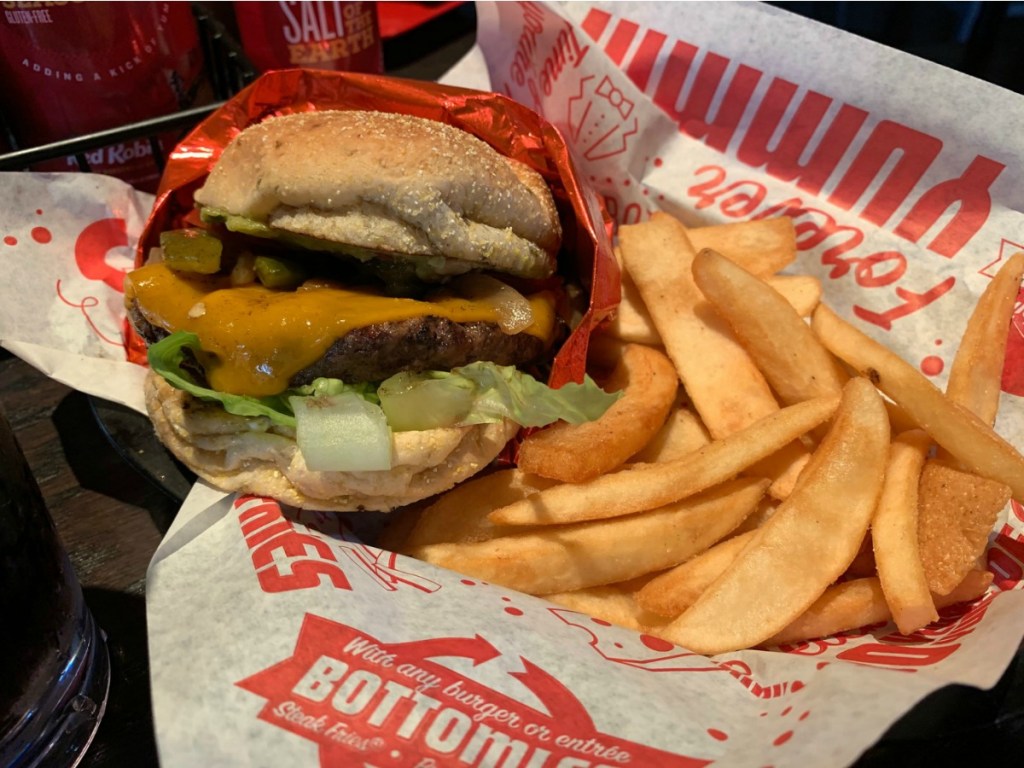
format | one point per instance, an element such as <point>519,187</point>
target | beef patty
<point>375,352</point>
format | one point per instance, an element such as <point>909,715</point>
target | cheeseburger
<point>351,326</point>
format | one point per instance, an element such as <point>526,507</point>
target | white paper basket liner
<point>237,588</point>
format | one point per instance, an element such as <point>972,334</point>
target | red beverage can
<point>318,34</point>
<point>74,68</point>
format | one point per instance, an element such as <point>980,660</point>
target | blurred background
<point>983,39</point>
<point>218,47</point>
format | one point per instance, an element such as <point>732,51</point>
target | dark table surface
<point>111,517</point>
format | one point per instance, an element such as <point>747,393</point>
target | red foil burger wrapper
<point>509,127</point>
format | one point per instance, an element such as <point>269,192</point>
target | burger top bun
<point>250,455</point>
<point>393,183</point>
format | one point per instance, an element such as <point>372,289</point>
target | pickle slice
<point>191,250</point>
<point>278,273</point>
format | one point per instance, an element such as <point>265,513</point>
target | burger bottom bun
<point>251,455</point>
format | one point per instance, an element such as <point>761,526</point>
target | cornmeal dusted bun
<point>389,183</point>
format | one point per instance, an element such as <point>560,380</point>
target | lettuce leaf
<point>166,358</point>
<point>483,393</point>
<point>472,394</point>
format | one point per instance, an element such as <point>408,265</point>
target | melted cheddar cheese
<point>255,339</point>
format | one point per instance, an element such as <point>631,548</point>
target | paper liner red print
<point>1013,367</point>
<point>301,551</point>
<point>349,691</point>
<point>391,704</point>
<point>352,693</point>
<point>509,127</point>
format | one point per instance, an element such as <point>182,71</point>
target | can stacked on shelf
<point>70,69</point>
<point>318,34</point>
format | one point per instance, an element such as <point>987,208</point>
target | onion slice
<point>244,271</point>
<point>514,311</point>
